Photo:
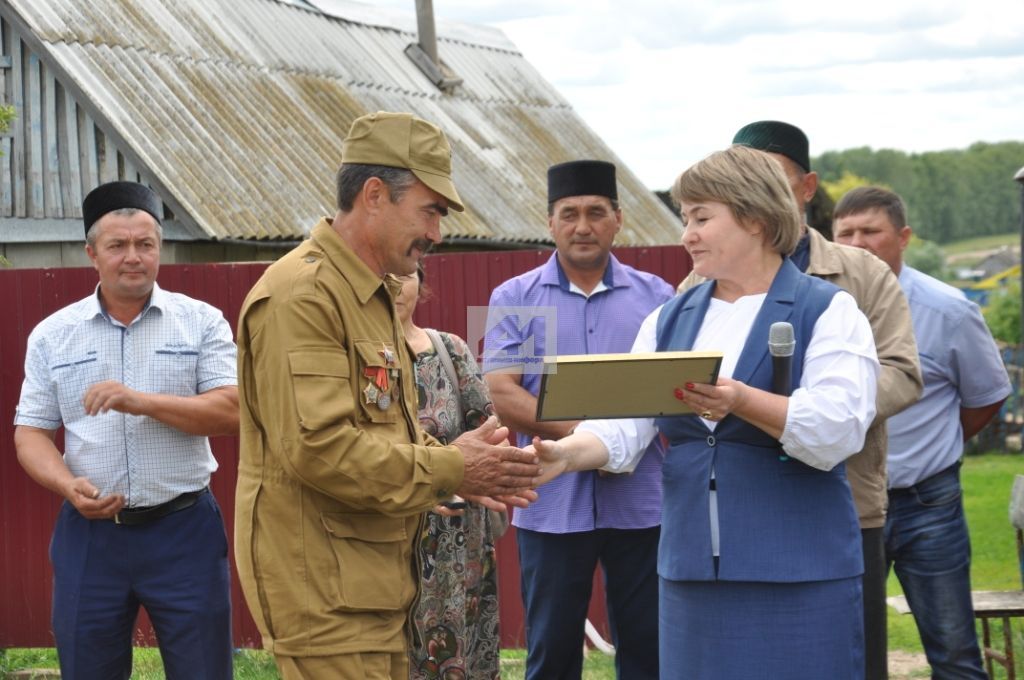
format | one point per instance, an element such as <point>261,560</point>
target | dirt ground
<point>907,665</point>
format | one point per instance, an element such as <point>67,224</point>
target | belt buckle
<point>117,518</point>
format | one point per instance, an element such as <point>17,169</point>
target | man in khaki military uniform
<point>335,471</point>
<point>879,296</point>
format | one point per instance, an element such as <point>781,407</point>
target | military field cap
<point>582,178</point>
<point>776,137</point>
<point>116,195</point>
<point>401,140</point>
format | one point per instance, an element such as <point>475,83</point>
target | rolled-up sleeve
<point>830,412</point>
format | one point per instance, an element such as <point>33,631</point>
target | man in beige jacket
<point>879,296</point>
<point>335,472</point>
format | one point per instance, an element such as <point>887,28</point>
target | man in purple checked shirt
<point>597,305</point>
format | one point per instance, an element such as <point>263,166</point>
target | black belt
<point>136,516</point>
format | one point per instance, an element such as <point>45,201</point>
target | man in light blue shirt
<point>965,384</point>
<point>138,377</point>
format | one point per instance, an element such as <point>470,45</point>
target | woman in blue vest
<point>760,555</point>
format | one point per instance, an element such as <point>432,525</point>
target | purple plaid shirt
<point>606,322</point>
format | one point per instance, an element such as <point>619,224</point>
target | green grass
<point>596,665</point>
<point>981,243</point>
<point>250,664</point>
<point>987,480</point>
<point>253,664</point>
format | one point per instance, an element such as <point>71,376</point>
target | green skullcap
<point>776,137</point>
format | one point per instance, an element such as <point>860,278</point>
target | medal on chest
<point>380,380</point>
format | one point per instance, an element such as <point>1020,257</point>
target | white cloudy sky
<point>666,82</point>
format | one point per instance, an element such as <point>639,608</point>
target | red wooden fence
<point>27,511</point>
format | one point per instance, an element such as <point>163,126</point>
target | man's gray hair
<point>352,177</point>
<point>91,235</point>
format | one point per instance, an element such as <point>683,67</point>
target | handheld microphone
<point>781,344</point>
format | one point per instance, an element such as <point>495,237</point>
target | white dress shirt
<point>177,345</point>
<point>828,414</point>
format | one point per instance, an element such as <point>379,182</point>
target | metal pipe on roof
<point>426,30</point>
<point>424,52</point>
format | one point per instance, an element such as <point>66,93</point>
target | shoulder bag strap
<point>449,367</point>
<point>498,522</point>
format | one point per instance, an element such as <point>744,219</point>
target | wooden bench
<point>1004,605</point>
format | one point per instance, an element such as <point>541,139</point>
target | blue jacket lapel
<point>778,306</point>
<point>695,307</point>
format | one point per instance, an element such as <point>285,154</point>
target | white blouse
<point>828,414</point>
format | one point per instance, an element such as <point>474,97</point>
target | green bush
<point>1003,314</point>
<point>927,257</point>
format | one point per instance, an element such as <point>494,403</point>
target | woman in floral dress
<point>455,619</point>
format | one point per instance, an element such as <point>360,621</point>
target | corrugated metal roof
<point>236,109</point>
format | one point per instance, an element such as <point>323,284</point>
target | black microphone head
<point>781,342</point>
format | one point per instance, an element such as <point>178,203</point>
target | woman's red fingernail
<point>679,393</point>
<point>689,386</point>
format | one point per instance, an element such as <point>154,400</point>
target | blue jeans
<point>927,543</point>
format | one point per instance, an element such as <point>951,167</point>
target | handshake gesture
<point>496,473</point>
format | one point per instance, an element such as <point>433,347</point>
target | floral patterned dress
<point>455,619</point>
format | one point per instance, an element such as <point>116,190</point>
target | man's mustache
<point>421,244</point>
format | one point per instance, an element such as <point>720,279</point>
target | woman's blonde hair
<point>752,185</point>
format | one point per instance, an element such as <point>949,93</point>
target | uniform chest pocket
<point>379,381</point>
<point>321,387</point>
<point>173,371</point>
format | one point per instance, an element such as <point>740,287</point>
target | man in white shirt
<point>138,377</point>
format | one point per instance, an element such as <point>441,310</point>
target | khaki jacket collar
<point>822,259</point>
<point>363,280</point>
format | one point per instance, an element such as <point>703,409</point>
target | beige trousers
<point>365,666</point>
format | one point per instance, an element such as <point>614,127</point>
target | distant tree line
<point>950,195</point>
